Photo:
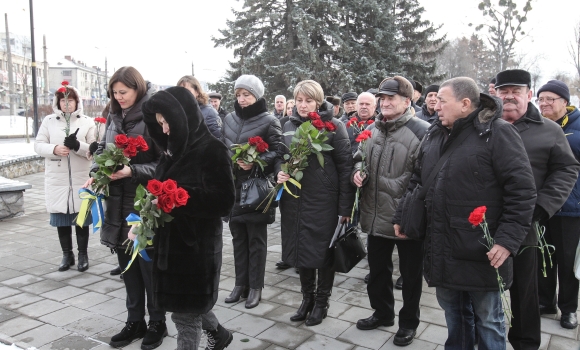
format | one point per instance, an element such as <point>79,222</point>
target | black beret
<point>349,96</point>
<point>431,88</point>
<point>515,77</point>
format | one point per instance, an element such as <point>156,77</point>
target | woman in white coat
<point>62,201</point>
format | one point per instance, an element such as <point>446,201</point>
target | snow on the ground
<point>13,347</point>
<point>14,125</point>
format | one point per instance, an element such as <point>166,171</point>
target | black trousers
<point>139,286</point>
<point>250,250</point>
<point>525,332</point>
<point>380,286</point>
<point>563,232</point>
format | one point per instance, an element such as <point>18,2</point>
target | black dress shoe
<point>569,320</point>
<point>116,271</point>
<point>399,283</point>
<point>548,310</point>
<point>372,322</point>
<point>237,293</point>
<point>367,278</point>
<point>404,337</point>
<point>254,297</point>
<point>281,265</point>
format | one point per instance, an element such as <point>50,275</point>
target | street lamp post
<point>33,67</point>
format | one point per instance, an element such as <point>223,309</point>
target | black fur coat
<point>188,250</point>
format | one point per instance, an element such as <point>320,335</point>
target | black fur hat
<point>180,110</point>
<point>514,77</point>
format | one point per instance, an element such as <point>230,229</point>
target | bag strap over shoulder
<point>454,144</point>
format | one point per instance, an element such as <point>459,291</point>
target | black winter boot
<point>237,293</point>
<point>131,331</point>
<point>82,243</point>
<point>323,292</point>
<point>65,238</point>
<point>154,337</point>
<point>308,284</point>
<point>219,339</point>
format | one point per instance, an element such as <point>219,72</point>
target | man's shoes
<point>404,337</point>
<point>154,337</point>
<point>399,283</point>
<point>131,331</point>
<point>218,339</point>
<point>569,320</point>
<point>367,278</point>
<point>548,310</point>
<point>281,265</point>
<point>372,322</point>
<point>116,271</point>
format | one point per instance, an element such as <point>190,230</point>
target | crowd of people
<point>446,149</point>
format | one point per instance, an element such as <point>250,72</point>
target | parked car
<point>4,105</point>
<point>29,113</point>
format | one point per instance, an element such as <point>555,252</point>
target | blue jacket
<point>572,127</point>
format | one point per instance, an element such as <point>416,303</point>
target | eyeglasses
<point>548,100</point>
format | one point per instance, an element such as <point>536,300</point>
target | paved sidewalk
<point>43,308</point>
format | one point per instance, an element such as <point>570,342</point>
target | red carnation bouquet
<point>99,121</point>
<point>114,158</point>
<point>154,204</point>
<point>250,152</point>
<point>362,138</point>
<point>309,138</point>
<point>477,218</point>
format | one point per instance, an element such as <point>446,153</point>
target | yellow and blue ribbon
<point>285,187</point>
<point>96,208</point>
<point>134,220</point>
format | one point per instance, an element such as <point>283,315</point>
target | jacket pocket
<point>467,242</point>
<point>326,181</point>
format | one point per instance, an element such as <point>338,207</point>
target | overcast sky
<point>162,40</point>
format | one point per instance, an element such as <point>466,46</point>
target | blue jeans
<point>460,310</point>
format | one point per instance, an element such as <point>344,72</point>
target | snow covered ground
<point>14,125</point>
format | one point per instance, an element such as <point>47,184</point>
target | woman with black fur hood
<point>188,250</point>
<point>249,227</point>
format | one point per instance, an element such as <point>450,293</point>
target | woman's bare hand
<point>123,173</point>
<point>89,182</point>
<point>283,177</point>
<point>61,150</point>
<point>243,165</point>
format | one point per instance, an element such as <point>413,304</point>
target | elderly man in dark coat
<point>188,250</point>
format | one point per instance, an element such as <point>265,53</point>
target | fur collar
<point>253,110</point>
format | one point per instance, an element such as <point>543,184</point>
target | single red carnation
<point>318,124</point>
<point>330,126</point>
<point>254,141</point>
<point>353,121</point>
<point>181,196</point>
<point>166,202</point>
<point>477,215</point>
<point>169,186</point>
<point>62,90</point>
<point>155,187</point>
<point>64,83</point>
<point>100,120</point>
<point>361,125</point>
<point>370,121</point>
<point>121,141</point>
<point>313,116</point>
<point>363,136</point>
<point>262,147</point>
<point>130,151</point>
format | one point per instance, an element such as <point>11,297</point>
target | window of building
<point>67,73</point>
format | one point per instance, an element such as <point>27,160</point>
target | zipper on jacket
<point>380,156</point>
<point>391,161</point>
<point>328,179</point>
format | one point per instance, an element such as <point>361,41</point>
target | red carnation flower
<point>318,124</point>
<point>361,124</point>
<point>121,141</point>
<point>254,141</point>
<point>313,116</point>
<point>165,202</point>
<point>363,136</point>
<point>262,147</point>
<point>351,122</point>
<point>330,126</point>
<point>100,120</point>
<point>62,90</point>
<point>64,83</point>
<point>130,151</point>
<point>477,215</point>
<point>169,186</point>
<point>370,121</point>
<point>155,187</point>
<point>181,196</point>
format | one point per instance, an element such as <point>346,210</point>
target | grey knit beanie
<point>251,83</point>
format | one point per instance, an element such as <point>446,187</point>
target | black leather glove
<point>71,141</point>
<point>540,214</point>
<point>93,147</point>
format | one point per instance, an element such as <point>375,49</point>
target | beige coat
<point>56,180</point>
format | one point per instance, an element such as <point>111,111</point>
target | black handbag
<point>348,249</point>
<point>255,189</point>
<point>414,210</point>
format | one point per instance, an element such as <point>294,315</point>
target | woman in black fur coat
<point>249,227</point>
<point>188,250</point>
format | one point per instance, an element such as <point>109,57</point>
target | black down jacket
<point>490,168</point>
<point>238,127</point>
<point>308,222</point>
<point>188,250</point>
<point>120,202</point>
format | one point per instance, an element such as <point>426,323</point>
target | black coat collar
<point>253,110</point>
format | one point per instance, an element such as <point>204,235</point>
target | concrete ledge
<point>12,198</point>
<point>21,166</point>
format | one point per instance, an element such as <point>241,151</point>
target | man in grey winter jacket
<point>390,156</point>
<point>555,172</point>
